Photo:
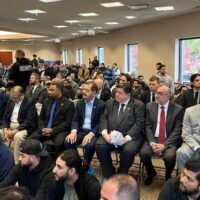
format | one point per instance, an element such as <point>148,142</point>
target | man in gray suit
<point>124,115</point>
<point>36,91</point>
<point>163,133</point>
<point>190,148</point>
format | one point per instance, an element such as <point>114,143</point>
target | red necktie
<point>161,138</point>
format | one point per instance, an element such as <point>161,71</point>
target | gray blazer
<point>133,120</point>
<point>191,126</point>
<point>174,121</point>
<point>39,95</point>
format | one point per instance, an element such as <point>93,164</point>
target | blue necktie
<point>51,114</point>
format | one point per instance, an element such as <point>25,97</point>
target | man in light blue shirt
<point>84,127</point>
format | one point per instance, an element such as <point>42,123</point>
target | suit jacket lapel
<point>58,107</point>
<point>168,118</point>
<point>94,109</point>
<point>127,109</point>
<point>154,115</point>
<point>21,106</point>
<point>83,108</point>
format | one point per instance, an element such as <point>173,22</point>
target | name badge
<point>25,68</point>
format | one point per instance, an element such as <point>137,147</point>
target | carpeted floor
<point>146,192</point>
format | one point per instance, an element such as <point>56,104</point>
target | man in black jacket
<point>34,170</point>
<point>55,118</point>
<point>185,187</point>
<point>71,182</point>
<point>21,70</point>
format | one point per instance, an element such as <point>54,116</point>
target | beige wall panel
<point>156,42</point>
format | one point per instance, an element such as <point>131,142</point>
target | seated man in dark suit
<point>84,127</point>
<point>125,115</point>
<point>55,118</point>
<point>19,120</point>
<point>4,98</point>
<point>163,133</point>
<point>192,96</point>
<point>36,91</point>
<point>149,95</point>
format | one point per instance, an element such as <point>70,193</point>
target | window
<point>79,56</point>
<point>64,54</point>
<point>132,58</point>
<point>100,54</point>
<point>189,58</point>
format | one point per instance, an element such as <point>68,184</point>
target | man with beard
<point>55,118</point>
<point>185,187</point>
<point>34,170</point>
<point>71,182</point>
<point>36,91</point>
<point>165,79</point>
<point>21,70</point>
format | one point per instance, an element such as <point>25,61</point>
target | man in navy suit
<point>84,127</point>
<point>19,120</point>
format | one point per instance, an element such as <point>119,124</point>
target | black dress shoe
<point>149,179</point>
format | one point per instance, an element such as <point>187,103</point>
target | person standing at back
<point>21,70</point>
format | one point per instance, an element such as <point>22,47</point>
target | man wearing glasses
<point>163,133</point>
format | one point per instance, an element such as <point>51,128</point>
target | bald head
<point>99,83</point>
<point>120,186</point>
<point>163,95</point>
<point>16,94</point>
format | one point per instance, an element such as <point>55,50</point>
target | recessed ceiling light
<point>88,14</point>
<point>60,26</point>
<point>130,17</point>
<point>112,4</point>
<point>83,31</point>
<point>49,1</point>
<point>7,33</point>
<point>26,19</point>
<point>74,34</point>
<point>27,40</point>
<point>164,8</point>
<point>72,21</point>
<point>111,23</point>
<point>97,27</point>
<point>36,11</point>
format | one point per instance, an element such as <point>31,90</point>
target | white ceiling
<point>57,13</point>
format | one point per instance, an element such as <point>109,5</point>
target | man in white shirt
<point>163,133</point>
<point>19,120</point>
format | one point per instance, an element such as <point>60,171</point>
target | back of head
<point>17,90</point>
<point>19,53</point>
<point>14,193</point>
<point>127,187</point>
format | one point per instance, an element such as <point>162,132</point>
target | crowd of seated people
<point>101,109</point>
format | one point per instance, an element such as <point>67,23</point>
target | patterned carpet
<point>146,192</point>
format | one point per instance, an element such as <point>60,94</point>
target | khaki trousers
<point>18,138</point>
